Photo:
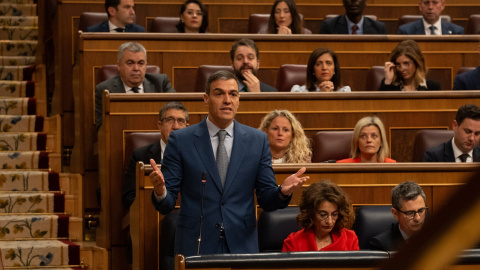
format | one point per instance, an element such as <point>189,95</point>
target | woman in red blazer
<point>325,215</point>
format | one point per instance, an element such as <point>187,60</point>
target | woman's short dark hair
<point>322,191</point>
<point>297,24</point>
<point>181,25</point>
<point>311,79</point>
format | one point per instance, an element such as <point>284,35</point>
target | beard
<point>239,72</point>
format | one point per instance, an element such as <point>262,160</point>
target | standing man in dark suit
<point>353,22</point>
<point>245,63</point>
<point>469,80</point>
<point>172,116</point>
<point>409,209</point>
<point>464,145</point>
<point>233,161</point>
<point>431,23</point>
<point>132,64</point>
<point>121,16</point>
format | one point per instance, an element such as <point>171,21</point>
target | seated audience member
<point>288,143</point>
<point>469,80</point>
<point>284,19</point>
<point>323,73</point>
<point>408,208</point>
<point>464,145</point>
<point>431,23</point>
<point>406,70</point>
<point>369,142</point>
<point>132,64</point>
<point>193,17</point>
<point>120,18</point>
<point>353,22</point>
<point>245,64</point>
<point>325,215</point>
<point>172,116</point>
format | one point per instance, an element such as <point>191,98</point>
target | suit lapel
<point>236,157</point>
<point>367,26</point>
<point>449,156</point>
<point>419,28</point>
<point>342,26</point>
<point>118,85</point>
<point>476,154</point>
<point>148,86</point>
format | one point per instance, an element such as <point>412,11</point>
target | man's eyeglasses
<point>172,120</point>
<point>322,215</point>
<point>411,214</point>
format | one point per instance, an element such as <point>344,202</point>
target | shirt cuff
<point>159,199</point>
<point>281,195</point>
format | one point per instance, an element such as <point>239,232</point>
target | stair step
<point>20,202</point>
<point>21,123</point>
<point>18,48</point>
<point>32,181</point>
<point>26,160</point>
<point>17,88</point>
<point>16,73</point>
<point>18,106</point>
<point>14,9</point>
<point>19,33</point>
<point>17,60</point>
<point>13,227</point>
<point>29,141</point>
<point>18,20</point>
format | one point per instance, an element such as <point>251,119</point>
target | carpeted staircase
<point>40,207</point>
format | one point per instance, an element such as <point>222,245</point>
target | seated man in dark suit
<point>132,64</point>
<point>431,23</point>
<point>469,80</point>
<point>172,116</point>
<point>245,63</point>
<point>353,22</point>
<point>464,145</point>
<point>121,16</point>
<point>408,208</point>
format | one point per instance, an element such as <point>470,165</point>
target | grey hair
<point>130,46</point>
<point>172,105</point>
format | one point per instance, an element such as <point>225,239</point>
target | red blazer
<point>357,160</point>
<point>304,240</point>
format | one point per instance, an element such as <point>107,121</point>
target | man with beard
<point>466,137</point>
<point>353,22</point>
<point>245,63</point>
<point>408,208</point>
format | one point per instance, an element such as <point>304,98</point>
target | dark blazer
<point>389,240</point>
<point>431,86</point>
<point>264,88</point>
<point>103,27</point>
<point>187,156</point>
<point>468,81</point>
<point>153,83</point>
<point>143,154</point>
<point>339,25</point>
<point>444,153</point>
<point>417,28</point>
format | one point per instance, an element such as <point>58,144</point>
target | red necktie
<point>354,29</point>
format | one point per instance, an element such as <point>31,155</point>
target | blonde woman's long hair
<point>410,49</point>
<point>366,122</point>
<point>298,151</point>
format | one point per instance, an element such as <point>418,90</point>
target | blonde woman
<point>288,143</point>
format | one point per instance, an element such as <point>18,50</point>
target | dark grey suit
<point>153,83</point>
<point>103,27</point>
<point>444,153</point>
<point>468,81</point>
<point>263,88</point>
<point>339,25</point>
<point>389,240</point>
<point>417,28</point>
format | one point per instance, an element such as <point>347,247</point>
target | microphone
<point>204,181</point>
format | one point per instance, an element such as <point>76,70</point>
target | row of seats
<point>256,22</point>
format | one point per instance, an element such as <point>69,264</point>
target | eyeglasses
<point>322,215</point>
<point>406,64</point>
<point>172,120</point>
<point>411,214</point>
<point>191,12</point>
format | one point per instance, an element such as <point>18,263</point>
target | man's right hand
<point>156,177</point>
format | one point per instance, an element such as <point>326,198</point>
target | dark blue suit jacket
<point>389,240</point>
<point>103,27</point>
<point>339,25</point>
<point>189,154</point>
<point>444,153</point>
<point>468,81</point>
<point>417,28</point>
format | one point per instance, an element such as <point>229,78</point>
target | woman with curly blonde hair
<point>288,143</point>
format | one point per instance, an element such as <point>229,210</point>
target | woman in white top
<point>323,73</point>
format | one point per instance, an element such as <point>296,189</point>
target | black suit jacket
<point>417,28</point>
<point>153,83</point>
<point>468,81</point>
<point>431,86</point>
<point>444,153</point>
<point>143,154</point>
<point>389,240</point>
<point>264,88</point>
<point>339,25</point>
<point>103,27</point>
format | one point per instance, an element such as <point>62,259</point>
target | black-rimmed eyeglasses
<point>411,214</point>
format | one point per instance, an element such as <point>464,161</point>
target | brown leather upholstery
<point>91,18</point>
<point>375,76</point>
<point>164,24</point>
<point>410,18</point>
<point>259,23</point>
<point>205,71</point>
<point>473,25</point>
<point>429,138</point>
<point>331,145</point>
<point>464,69</point>
<point>330,16</point>
<point>289,75</point>
<point>136,140</point>
<point>109,71</point>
